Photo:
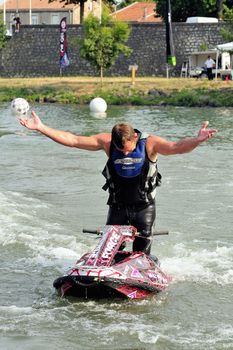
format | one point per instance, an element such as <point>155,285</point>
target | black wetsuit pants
<point>141,218</point>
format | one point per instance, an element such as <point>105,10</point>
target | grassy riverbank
<point>119,91</point>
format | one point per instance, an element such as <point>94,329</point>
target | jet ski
<point>109,271</point>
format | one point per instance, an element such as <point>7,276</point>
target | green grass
<point>120,91</point>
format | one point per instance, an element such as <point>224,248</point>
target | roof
<point>138,12</point>
<point>36,4</point>
<point>201,20</point>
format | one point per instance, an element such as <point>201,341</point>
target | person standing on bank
<point>131,170</point>
<point>17,23</point>
<point>210,64</point>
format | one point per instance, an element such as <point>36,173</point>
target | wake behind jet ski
<point>110,272</point>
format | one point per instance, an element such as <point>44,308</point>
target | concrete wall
<point>34,51</point>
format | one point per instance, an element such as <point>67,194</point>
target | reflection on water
<point>50,192</point>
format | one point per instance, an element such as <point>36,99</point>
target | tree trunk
<point>219,4</point>
<point>82,4</point>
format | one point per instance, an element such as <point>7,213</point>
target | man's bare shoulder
<point>155,144</point>
<point>104,140</point>
<point>150,147</point>
<point>153,139</point>
<point>103,136</point>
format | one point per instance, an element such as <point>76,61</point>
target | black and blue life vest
<point>132,178</point>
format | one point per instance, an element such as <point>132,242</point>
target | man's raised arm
<point>185,145</point>
<point>91,143</point>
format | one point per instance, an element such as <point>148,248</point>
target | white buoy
<point>98,105</point>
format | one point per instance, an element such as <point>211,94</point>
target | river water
<point>48,193</point>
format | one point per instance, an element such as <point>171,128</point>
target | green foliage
<point>104,42</point>
<point>184,98</point>
<point>203,97</point>
<point>203,46</point>
<point>226,34</point>
<point>181,9</point>
<point>200,97</point>
<point>125,3</point>
<point>227,14</point>
<point>228,17</point>
<point>2,32</point>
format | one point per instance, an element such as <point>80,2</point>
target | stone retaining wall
<point>34,51</point>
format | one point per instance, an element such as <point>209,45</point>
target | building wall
<point>44,17</point>
<point>49,16</point>
<point>34,51</point>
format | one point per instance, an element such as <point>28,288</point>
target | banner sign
<point>64,59</point>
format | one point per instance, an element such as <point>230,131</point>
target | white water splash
<point>203,265</point>
<point>46,243</point>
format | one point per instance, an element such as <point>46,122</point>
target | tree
<point>104,41</point>
<point>227,14</point>
<point>125,3</point>
<point>181,9</point>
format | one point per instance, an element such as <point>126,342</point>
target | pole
<point>216,66</point>
<point>100,11</point>
<point>4,12</point>
<point>91,6</point>
<point>133,74</point>
<point>170,50</point>
<point>30,12</point>
<point>167,70</point>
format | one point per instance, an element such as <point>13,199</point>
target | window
<point>35,19</point>
<point>55,19</point>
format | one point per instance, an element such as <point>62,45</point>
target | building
<point>40,12</point>
<point>142,12</point>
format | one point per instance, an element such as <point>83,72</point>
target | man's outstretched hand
<point>205,133</point>
<point>32,123</point>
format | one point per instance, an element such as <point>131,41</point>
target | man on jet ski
<point>131,170</point>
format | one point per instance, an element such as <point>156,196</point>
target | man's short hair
<point>121,133</point>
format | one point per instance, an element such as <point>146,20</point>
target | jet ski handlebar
<point>100,232</point>
<point>95,232</point>
<point>160,232</point>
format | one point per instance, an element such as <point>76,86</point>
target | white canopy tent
<point>227,47</point>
